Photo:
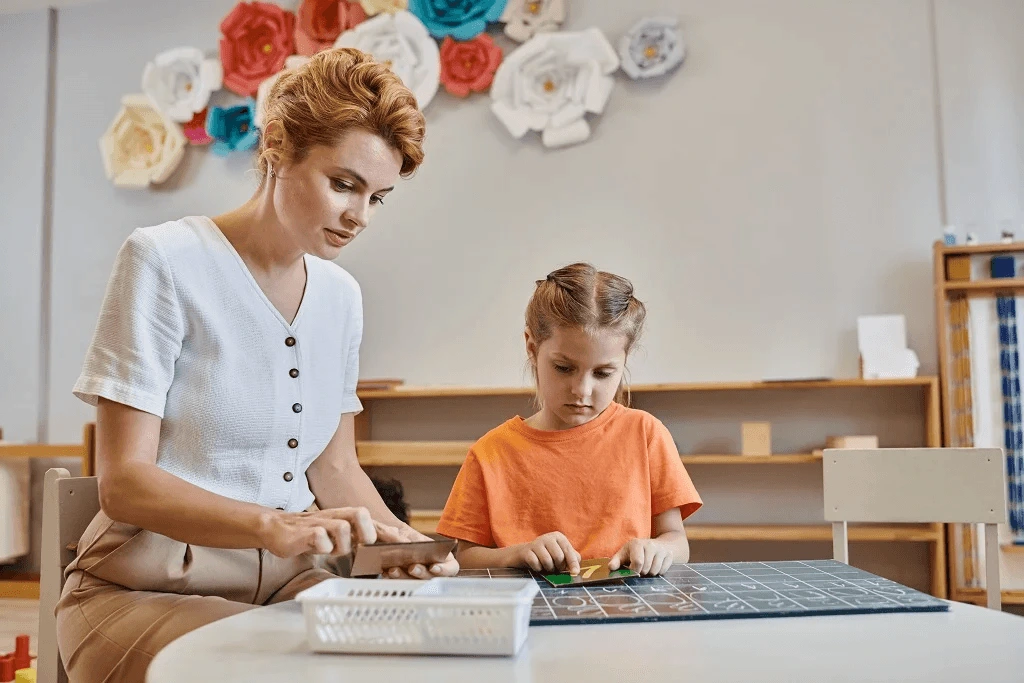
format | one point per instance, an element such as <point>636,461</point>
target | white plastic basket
<point>440,616</point>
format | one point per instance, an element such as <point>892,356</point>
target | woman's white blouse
<point>248,400</point>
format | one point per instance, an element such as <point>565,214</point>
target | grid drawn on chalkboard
<point>725,590</point>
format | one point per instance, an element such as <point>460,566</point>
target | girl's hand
<point>390,534</point>
<point>646,556</point>
<point>324,532</point>
<point>549,552</point>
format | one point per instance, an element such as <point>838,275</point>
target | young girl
<point>585,477</point>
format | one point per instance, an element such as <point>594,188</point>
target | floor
<point>17,617</point>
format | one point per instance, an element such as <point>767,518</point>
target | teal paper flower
<point>233,128</point>
<point>460,19</point>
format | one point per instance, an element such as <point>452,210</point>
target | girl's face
<point>328,198</point>
<point>578,374</point>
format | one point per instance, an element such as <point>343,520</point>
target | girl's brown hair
<point>336,91</point>
<point>581,296</point>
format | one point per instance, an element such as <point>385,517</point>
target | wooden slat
<point>994,248</point>
<point>412,453</point>
<point>985,286</point>
<point>977,596</point>
<point>459,392</point>
<point>45,450</point>
<point>453,453</point>
<point>425,521</point>
<point>20,588</point>
<point>787,459</point>
<point>810,532</point>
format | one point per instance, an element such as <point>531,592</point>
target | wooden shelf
<point>425,521</point>
<point>977,596</point>
<point>452,453</point>
<point>412,453</point>
<point>1012,548</point>
<point>985,286</point>
<point>992,248</point>
<point>20,586</point>
<point>786,459</point>
<point>924,533</point>
<point>461,392</point>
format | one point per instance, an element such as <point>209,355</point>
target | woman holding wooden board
<point>224,368</point>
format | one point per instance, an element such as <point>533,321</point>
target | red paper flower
<point>320,22</point>
<point>470,65</point>
<point>256,39</point>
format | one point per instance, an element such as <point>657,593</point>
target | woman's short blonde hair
<point>336,91</point>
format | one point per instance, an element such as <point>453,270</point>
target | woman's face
<point>328,198</point>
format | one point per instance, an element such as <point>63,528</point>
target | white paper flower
<point>550,83</point>
<point>653,47</point>
<point>402,42</point>
<point>180,81</point>
<point>292,62</point>
<point>142,145</point>
<point>524,18</point>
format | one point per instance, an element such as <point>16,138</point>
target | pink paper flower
<point>195,130</point>
<point>469,66</point>
<point>256,38</point>
<point>320,22</point>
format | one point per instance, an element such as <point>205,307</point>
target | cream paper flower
<point>141,146</point>
<point>524,18</point>
<point>402,42</point>
<point>180,82</point>
<point>551,82</point>
<point>292,62</point>
<point>374,7</point>
<point>653,47</point>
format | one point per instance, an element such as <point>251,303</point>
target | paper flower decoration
<point>460,19</point>
<point>180,81</point>
<point>653,47</point>
<point>293,62</point>
<point>374,7</point>
<point>402,41</point>
<point>524,18</point>
<point>256,38</point>
<point>195,130</point>
<point>470,65</point>
<point>320,22</point>
<point>233,128</point>
<point>141,146</point>
<point>550,82</point>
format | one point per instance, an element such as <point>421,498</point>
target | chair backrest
<point>915,485</point>
<point>69,505</point>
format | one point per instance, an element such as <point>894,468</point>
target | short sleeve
<point>466,515</point>
<point>671,486</point>
<point>139,333</point>
<point>350,402</point>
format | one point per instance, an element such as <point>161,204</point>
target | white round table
<point>966,644</point>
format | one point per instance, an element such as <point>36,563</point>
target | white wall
<point>780,184</point>
<point>23,49</point>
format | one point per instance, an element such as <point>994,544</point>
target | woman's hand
<point>324,532</point>
<point>549,552</point>
<point>646,556</point>
<point>390,534</point>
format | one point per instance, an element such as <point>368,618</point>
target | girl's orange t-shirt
<point>600,483</point>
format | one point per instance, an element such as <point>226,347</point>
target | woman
<point>224,368</point>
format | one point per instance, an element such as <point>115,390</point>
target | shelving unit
<point>14,584</point>
<point>421,454</point>
<point>952,292</point>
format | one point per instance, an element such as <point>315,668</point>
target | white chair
<point>69,504</point>
<point>918,485</point>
